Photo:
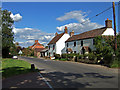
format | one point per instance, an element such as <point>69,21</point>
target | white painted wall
<point>60,44</point>
<point>108,31</point>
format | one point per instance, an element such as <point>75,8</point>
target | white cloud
<point>27,36</point>
<point>77,27</point>
<point>16,17</point>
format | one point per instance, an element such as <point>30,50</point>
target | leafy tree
<point>105,48</point>
<point>28,51</point>
<point>0,33</point>
<point>7,34</point>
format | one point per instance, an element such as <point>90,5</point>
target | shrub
<point>80,56</point>
<point>91,56</point>
<point>64,56</point>
<point>107,58</point>
<point>115,63</point>
<point>57,56</point>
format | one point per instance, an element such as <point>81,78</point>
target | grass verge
<point>12,67</point>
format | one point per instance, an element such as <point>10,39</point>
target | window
<point>74,51</point>
<point>53,47</point>
<point>74,44</point>
<point>49,47</point>
<point>93,41</point>
<point>67,44</point>
<point>66,51</point>
<point>81,43</point>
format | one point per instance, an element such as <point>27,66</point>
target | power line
<point>99,13</point>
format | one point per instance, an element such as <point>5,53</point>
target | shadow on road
<point>72,80</point>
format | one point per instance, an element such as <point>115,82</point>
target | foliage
<point>64,56</point>
<point>11,67</point>
<point>27,52</point>
<point>115,63</point>
<point>7,34</point>
<point>57,56</point>
<point>105,48</point>
<point>92,56</point>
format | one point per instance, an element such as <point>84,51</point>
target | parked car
<point>15,57</point>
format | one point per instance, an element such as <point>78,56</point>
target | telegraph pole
<point>114,25</point>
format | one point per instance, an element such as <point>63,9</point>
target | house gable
<point>56,38</point>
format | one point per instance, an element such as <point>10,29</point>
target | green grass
<point>62,59</point>
<point>115,64</point>
<point>12,67</point>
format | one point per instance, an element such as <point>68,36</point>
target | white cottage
<point>58,43</point>
<point>84,42</point>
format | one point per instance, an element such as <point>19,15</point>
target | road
<point>64,74</point>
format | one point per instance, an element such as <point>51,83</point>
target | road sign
<point>20,52</point>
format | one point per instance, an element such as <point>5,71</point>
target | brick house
<point>37,47</point>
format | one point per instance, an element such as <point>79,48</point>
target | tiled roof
<point>56,38</point>
<point>39,46</point>
<point>88,34</point>
<point>36,45</point>
<point>39,49</point>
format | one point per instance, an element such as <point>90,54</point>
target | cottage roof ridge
<point>56,38</point>
<point>87,34</point>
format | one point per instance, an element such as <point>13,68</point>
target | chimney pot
<point>36,41</point>
<point>72,33</point>
<point>56,34</point>
<point>108,23</point>
<point>65,30</point>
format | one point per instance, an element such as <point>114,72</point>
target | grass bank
<point>12,67</point>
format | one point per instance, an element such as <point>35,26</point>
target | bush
<point>107,59</point>
<point>115,64</point>
<point>57,56</point>
<point>64,56</point>
<point>80,56</point>
<point>70,55</point>
<point>91,56</point>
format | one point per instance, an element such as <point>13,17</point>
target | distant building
<point>56,45</point>
<point>37,47</point>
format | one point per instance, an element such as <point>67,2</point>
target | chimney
<point>56,34</point>
<point>36,41</point>
<point>71,33</point>
<point>66,30</point>
<point>108,23</point>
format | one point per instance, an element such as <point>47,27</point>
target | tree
<point>105,47</point>
<point>0,34</point>
<point>7,34</point>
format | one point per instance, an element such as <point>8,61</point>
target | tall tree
<point>7,34</point>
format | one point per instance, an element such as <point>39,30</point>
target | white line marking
<point>46,81</point>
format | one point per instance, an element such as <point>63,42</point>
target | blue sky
<point>46,18</point>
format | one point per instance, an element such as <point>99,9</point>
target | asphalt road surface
<point>64,74</point>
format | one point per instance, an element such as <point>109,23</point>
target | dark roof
<point>88,34</point>
<point>56,38</point>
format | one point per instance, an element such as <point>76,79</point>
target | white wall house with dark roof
<point>58,43</point>
<point>84,42</point>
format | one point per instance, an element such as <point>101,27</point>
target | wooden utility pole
<point>114,25</point>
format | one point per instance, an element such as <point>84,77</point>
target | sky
<point>41,20</point>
